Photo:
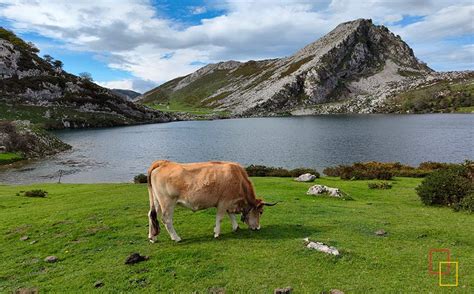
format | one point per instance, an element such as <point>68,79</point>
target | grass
<point>467,109</point>
<point>92,228</point>
<point>10,157</point>
<point>178,106</point>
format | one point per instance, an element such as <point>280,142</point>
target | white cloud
<point>136,38</point>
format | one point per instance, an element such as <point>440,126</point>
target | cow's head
<point>251,215</point>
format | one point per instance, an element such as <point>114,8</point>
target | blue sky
<point>140,44</point>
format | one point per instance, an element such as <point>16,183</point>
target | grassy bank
<point>10,157</point>
<point>92,229</point>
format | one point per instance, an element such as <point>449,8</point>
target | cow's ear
<point>259,203</point>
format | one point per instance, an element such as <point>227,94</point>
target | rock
<point>335,291</point>
<point>306,178</point>
<point>321,190</point>
<point>24,238</point>
<point>33,242</point>
<point>321,247</point>
<point>380,232</point>
<point>27,291</point>
<point>98,284</point>
<point>216,290</point>
<point>51,259</point>
<point>286,290</point>
<point>135,258</point>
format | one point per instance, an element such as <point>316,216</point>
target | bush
<point>140,179</point>
<point>266,171</point>
<point>380,185</point>
<point>448,186</point>
<point>467,203</point>
<point>36,193</point>
<point>384,170</point>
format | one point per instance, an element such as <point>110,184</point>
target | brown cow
<point>224,185</point>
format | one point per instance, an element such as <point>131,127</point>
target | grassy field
<point>177,106</point>
<point>92,228</point>
<point>10,157</point>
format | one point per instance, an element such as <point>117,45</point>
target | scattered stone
<point>33,242</point>
<point>24,238</point>
<point>135,258</point>
<point>51,259</point>
<point>216,290</point>
<point>286,290</point>
<point>320,189</point>
<point>27,291</point>
<point>306,178</point>
<point>321,247</point>
<point>380,232</point>
<point>335,291</point>
<point>98,284</point>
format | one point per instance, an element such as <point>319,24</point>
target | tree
<point>33,47</point>
<point>58,64</point>
<point>86,76</point>
<point>48,58</point>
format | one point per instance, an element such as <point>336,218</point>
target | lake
<point>118,154</point>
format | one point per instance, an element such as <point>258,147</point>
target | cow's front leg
<point>219,216</point>
<point>233,221</point>
<point>167,212</point>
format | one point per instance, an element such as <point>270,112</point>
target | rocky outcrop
<point>28,80</point>
<point>29,140</point>
<point>355,68</point>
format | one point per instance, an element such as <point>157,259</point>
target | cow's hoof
<point>236,229</point>
<point>152,241</point>
<point>177,239</point>
<point>216,236</point>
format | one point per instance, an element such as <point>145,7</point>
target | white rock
<point>305,178</point>
<point>321,247</point>
<point>320,189</point>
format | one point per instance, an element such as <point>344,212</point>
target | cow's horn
<point>270,204</point>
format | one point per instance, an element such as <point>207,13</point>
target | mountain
<point>356,68</point>
<point>39,90</point>
<point>127,94</point>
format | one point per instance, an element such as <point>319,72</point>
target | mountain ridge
<point>355,68</point>
<point>40,90</point>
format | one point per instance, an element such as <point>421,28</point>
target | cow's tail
<point>154,225</point>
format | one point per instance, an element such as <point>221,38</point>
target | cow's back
<point>202,185</point>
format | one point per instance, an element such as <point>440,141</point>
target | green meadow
<point>92,228</point>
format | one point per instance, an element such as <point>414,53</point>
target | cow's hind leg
<point>153,224</point>
<point>233,221</point>
<point>167,212</point>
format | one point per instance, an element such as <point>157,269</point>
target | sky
<point>139,44</point>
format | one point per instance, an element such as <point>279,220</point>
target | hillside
<point>39,90</point>
<point>356,68</point>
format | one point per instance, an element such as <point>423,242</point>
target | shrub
<point>448,186</point>
<point>266,171</point>
<point>380,185</point>
<point>467,203</point>
<point>140,179</point>
<point>36,193</point>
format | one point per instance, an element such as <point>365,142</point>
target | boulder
<point>51,259</point>
<point>320,190</point>
<point>287,290</point>
<point>306,178</point>
<point>319,246</point>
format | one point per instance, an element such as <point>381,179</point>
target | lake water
<point>117,154</point>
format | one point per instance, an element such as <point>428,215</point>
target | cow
<point>201,185</point>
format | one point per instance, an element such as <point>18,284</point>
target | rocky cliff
<point>40,90</point>
<point>356,68</point>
